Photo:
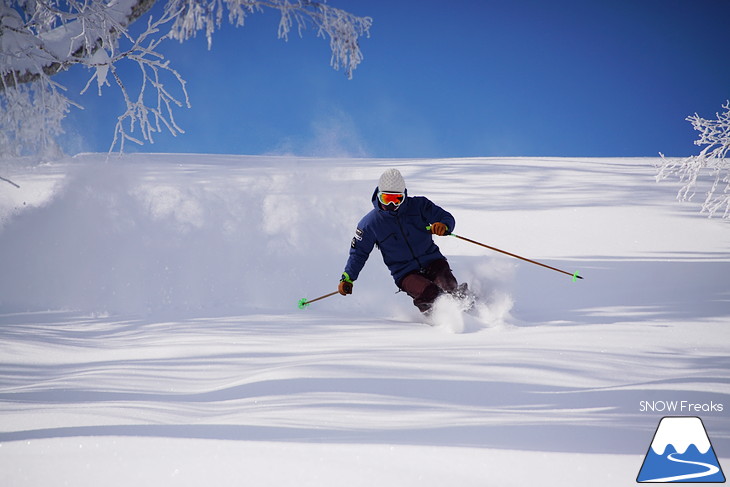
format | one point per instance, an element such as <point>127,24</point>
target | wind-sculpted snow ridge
<point>150,334</point>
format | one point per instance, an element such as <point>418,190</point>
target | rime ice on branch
<point>41,38</point>
<point>715,137</point>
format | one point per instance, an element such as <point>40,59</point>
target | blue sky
<point>450,78</point>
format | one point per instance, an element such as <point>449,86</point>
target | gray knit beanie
<point>391,181</point>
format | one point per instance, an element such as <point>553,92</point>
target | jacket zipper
<point>400,225</point>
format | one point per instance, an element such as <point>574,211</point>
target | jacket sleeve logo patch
<point>357,238</point>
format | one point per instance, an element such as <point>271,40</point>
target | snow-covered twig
<point>715,137</point>
<point>342,28</point>
<point>39,38</point>
<point>30,118</point>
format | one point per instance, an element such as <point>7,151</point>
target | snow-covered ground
<point>150,333</point>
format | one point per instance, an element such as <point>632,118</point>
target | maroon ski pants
<point>425,286</point>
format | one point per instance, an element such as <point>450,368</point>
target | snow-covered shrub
<point>715,137</point>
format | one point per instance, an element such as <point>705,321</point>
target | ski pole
<point>573,275</point>
<point>303,303</point>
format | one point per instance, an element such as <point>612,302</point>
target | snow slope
<point>149,331</point>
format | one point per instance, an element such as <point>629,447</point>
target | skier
<point>397,226</point>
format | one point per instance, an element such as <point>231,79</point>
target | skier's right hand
<point>439,229</point>
<point>345,287</point>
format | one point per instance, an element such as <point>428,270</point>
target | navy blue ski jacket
<point>401,236</point>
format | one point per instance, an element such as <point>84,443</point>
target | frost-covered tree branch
<point>342,28</point>
<point>715,137</point>
<point>39,38</point>
<point>144,113</point>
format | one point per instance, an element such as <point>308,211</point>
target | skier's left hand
<point>439,229</point>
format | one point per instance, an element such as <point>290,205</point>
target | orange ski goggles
<point>391,198</point>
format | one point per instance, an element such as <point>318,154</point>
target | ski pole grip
<point>447,234</point>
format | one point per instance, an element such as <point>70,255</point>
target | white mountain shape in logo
<point>681,432</point>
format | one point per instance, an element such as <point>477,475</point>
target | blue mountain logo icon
<point>681,452</point>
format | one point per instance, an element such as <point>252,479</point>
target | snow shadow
<point>317,378</point>
<point>622,290</point>
<point>468,414</point>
